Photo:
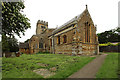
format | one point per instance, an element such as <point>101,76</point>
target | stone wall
<point>35,40</point>
<point>77,43</point>
<point>77,37</point>
<point>41,26</point>
<point>25,51</point>
<point>89,49</point>
<point>64,48</point>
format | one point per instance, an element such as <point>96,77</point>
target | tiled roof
<point>24,45</point>
<point>70,21</point>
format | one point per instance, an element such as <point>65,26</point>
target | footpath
<point>90,70</point>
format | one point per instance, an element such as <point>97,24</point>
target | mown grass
<point>23,66</point>
<point>0,68</point>
<point>109,68</point>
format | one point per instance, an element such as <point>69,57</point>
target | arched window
<point>87,32</point>
<point>64,39</point>
<point>58,40</point>
<point>40,45</point>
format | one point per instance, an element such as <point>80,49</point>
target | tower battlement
<point>41,26</point>
<point>42,22</point>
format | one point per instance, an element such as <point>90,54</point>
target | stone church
<point>39,42</point>
<point>75,37</point>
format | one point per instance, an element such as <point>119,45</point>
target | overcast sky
<point>104,13</point>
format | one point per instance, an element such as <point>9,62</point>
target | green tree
<point>9,44</point>
<point>109,36</point>
<point>13,22</point>
<point>117,30</point>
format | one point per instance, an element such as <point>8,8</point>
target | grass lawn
<point>0,68</point>
<point>109,68</point>
<point>23,66</point>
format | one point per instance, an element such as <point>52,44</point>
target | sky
<point>104,13</point>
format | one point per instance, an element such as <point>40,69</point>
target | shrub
<point>109,44</point>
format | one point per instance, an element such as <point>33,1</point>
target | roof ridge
<point>70,21</point>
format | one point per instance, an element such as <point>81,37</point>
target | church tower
<point>41,27</point>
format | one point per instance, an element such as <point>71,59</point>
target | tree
<point>109,36</point>
<point>13,22</point>
<point>9,44</point>
<point>118,30</point>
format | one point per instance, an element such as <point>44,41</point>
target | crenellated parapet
<point>42,22</point>
<point>41,27</point>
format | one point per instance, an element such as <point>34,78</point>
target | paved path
<point>90,70</point>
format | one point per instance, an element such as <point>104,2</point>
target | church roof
<point>24,45</point>
<point>70,21</point>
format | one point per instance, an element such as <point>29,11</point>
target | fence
<point>109,48</point>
